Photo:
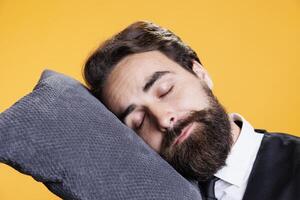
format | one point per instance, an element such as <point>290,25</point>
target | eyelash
<point>171,88</point>
<point>141,124</point>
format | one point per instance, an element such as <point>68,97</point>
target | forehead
<point>128,77</point>
<point>144,64</point>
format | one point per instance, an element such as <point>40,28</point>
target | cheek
<point>153,139</point>
<point>190,98</point>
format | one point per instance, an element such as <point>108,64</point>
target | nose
<point>164,117</point>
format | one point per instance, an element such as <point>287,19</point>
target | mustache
<point>201,116</point>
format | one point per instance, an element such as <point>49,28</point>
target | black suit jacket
<point>276,170</point>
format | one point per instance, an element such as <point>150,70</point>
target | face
<point>172,110</point>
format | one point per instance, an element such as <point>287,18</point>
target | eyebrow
<point>153,78</point>
<point>149,83</point>
<point>127,111</point>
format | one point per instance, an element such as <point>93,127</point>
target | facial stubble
<point>205,151</point>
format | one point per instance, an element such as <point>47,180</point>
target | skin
<point>169,99</point>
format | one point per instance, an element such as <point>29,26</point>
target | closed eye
<point>166,93</point>
<point>141,124</point>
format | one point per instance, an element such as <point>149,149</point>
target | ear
<point>202,74</point>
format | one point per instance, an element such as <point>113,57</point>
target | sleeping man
<point>156,85</point>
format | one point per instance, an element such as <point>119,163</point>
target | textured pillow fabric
<point>64,137</point>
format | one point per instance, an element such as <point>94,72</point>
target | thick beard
<point>205,151</point>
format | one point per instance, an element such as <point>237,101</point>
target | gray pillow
<point>65,138</point>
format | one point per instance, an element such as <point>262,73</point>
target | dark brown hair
<point>141,36</point>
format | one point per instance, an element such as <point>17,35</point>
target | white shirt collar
<point>242,155</point>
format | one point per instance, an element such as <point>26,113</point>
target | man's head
<point>137,38</point>
<point>157,86</point>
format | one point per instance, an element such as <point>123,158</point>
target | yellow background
<point>251,49</point>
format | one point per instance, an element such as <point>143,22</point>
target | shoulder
<point>276,170</point>
<point>281,147</point>
<point>282,138</point>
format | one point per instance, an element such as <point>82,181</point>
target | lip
<point>185,133</point>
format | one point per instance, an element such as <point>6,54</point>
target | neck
<point>235,130</point>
